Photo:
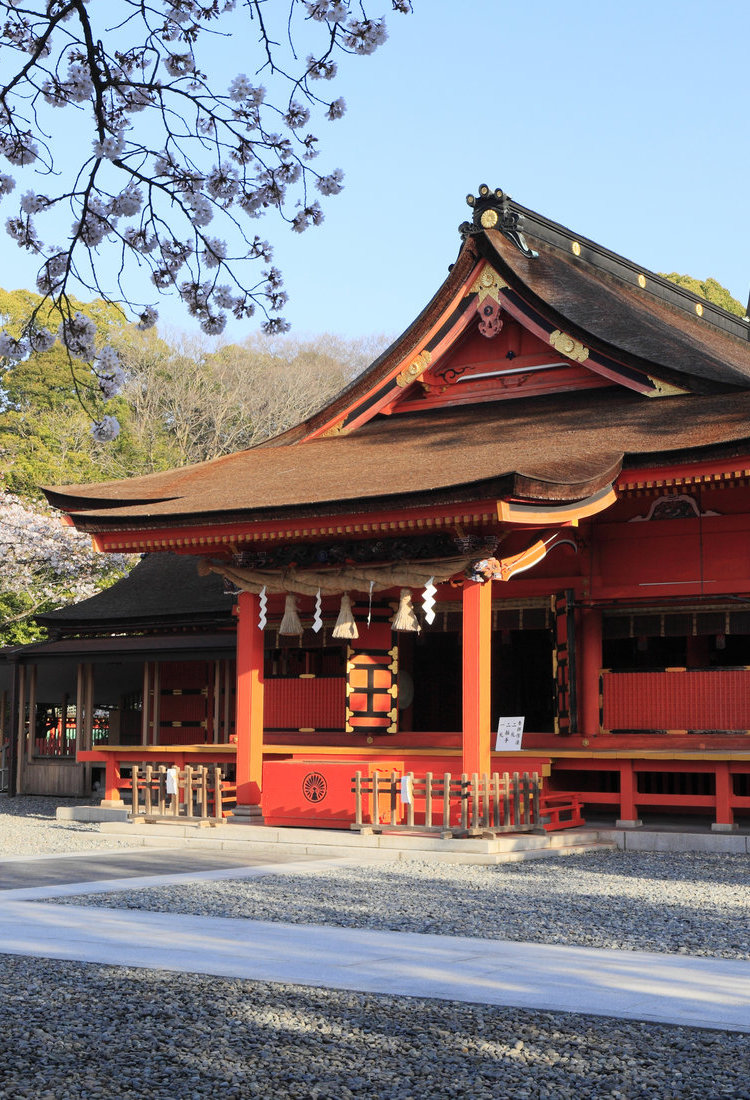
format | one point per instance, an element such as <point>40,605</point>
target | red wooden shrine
<point>559,444</point>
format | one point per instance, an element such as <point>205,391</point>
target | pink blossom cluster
<point>52,564</point>
<point>204,154</point>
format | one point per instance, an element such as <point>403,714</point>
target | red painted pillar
<point>591,663</point>
<point>724,822</point>
<point>112,796</point>
<point>628,808</point>
<point>477,677</point>
<point>249,719</point>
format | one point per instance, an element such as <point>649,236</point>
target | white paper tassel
<point>405,618</point>
<point>290,624</point>
<point>263,608</point>
<point>428,601</point>
<point>345,625</point>
<point>317,623</point>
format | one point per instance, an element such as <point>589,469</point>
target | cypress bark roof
<point>643,337</point>
<point>161,590</point>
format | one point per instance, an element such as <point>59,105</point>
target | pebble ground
<point>74,1031</point>
<point>28,828</point>
<point>652,901</point>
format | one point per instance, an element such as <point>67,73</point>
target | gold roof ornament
<point>566,345</point>
<point>488,284</point>
<point>413,371</point>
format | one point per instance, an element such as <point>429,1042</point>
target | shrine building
<point>535,503</point>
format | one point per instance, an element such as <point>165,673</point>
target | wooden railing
<point>54,743</point>
<point>451,805</point>
<point>677,699</point>
<point>202,793</point>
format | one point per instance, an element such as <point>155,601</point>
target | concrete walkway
<point>712,993</point>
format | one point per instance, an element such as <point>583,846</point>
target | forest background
<point>186,399</point>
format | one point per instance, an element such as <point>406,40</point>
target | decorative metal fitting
<point>492,210</point>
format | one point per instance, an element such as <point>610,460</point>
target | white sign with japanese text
<point>509,734</point>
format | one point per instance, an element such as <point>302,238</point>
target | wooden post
<point>135,797</point>
<point>147,791</point>
<point>591,663</point>
<point>628,818</point>
<point>217,781</point>
<point>156,709</point>
<point>31,743</point>
<point>477,636</point>
<point>20,726</point>
<point>189,807</point>
<point>249,721</point>
<point>358,798</point>
<point>146,702</point>
<point>724,822</point>
<point>447,800</point>
<point>496,799</point>
<point>112,795</point>
<point>216,701</point>
<point>428,800</point>
<point>375,814</point>
<point>410,805</point>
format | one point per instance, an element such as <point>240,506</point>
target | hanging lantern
<point>405,618</point>
<point>345,625</point>
<point>290,624</point>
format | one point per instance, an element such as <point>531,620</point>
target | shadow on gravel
<point>72,1028</point>
<point>559,903</point>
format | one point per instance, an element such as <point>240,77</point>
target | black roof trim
<point>552,233</point>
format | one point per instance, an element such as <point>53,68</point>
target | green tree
<point>709,289</point>
<point>45,432</point>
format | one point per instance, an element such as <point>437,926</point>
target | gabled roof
<point>162,590</point>
<point>675,372</point>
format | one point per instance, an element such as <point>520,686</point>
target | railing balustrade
<point>202,793</point>
<point>451,805</point>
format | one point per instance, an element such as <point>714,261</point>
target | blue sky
<point>627,122</point>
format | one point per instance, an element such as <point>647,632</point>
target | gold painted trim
<point>335,429</point>
<point>488,284</point>
<point>413,371</point>
<point>566,345</point>
<point>575,248</point>
<point>663,389</point>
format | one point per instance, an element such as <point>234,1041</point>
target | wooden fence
<point>451,805</point>
<point>202,793</point>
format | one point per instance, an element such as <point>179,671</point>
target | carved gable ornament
<point>566,345</point>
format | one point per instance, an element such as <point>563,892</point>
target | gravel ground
<point>78,1031</point>
<point>74,1031</point>
<point>675,903</point>
<point>28,828</point>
